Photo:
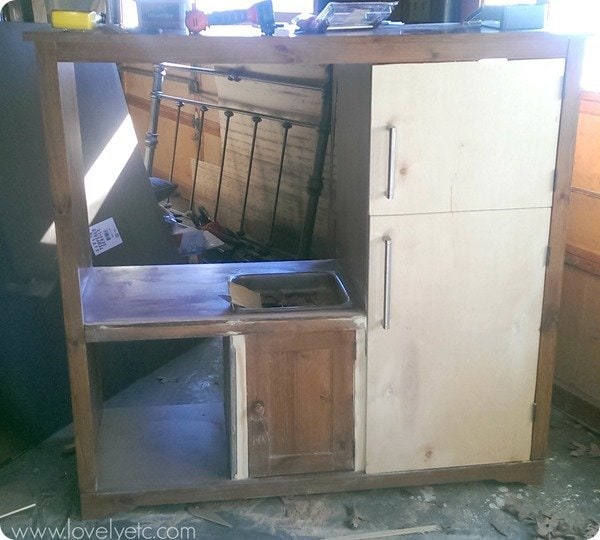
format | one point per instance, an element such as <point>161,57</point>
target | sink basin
<point>294,291</point>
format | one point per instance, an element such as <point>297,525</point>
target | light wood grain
<point>239,407</point>
<point>458,363</point>
<point>583,259</point>
<point>470,135</point>
<point>360,401</point>
<point>586,168</point>
<point>583,226</point>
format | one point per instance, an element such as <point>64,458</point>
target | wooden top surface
<point>197,295</point>
<point>386,44</point>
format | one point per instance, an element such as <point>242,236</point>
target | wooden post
<point>63,147</point>
<point>558,236</point>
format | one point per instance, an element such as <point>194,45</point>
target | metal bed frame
<point>315,181</point>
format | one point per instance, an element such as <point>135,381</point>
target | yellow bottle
<point>74,20</point>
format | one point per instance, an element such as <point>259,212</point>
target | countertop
<point>142,302</point>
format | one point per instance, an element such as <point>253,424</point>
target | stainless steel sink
<point>295,291</point>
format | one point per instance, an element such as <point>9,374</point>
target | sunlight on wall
<point>580,16</point>
<point>103,174</point>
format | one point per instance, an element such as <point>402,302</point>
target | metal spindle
<point>256,120</point>
<point>151,139</point>
<point>228,115</point>
<point>315,182</point>
<point>203,110</point>
<point>179,107</point>
<point>286,128</point>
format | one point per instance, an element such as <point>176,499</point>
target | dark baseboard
<point>577,407</point>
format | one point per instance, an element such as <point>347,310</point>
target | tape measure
<point>76,20</point>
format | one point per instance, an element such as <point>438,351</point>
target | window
<point>574,16</point>
<point>580,16</point>
<point>130,19</point>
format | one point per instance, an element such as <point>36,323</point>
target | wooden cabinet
<point>300,402</point>
<point>459,159</point>
<point>452,378</point>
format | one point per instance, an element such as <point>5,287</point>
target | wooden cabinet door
<point>469,135</point>
<point>300,402</point>
<point>451,381</point>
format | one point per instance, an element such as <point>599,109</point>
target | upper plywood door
<point>451,382</point>
<point>468,135</point>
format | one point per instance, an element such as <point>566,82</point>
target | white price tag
<point>104,236</point>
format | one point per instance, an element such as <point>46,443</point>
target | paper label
<point>104,236</point>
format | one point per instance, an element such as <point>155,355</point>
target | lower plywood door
<point>451,379</point>
<point>300,402</point>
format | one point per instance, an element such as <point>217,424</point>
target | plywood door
<point>469,135</point>
<point>300,404</point>
<point>451,382</point>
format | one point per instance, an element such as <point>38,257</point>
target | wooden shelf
<point>416,43</point>
<point>162,447</point>
<point>174,301</point>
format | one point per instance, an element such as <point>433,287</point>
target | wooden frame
<point>558,238</point>
<point>56,51</point>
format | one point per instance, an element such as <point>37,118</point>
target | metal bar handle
<point>391,163</point>
<point>387,281</point>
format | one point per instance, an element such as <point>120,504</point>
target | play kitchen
<point>422,354</point>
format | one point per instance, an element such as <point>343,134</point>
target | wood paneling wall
<point>577,377</point>
<point>285,101</point>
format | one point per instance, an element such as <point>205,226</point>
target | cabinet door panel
<point>300,405</point>
<point>470,135</point>
<point>451,382</point>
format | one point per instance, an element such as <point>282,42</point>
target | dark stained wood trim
<point>382,46</point>
<point>170,113</point>
<point>63,147</point>
<point>558,236</point>
<point>95,505</point>
<point>583,259</point>
<point>577,407</point>
<point>274,381</point>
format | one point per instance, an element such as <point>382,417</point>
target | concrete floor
<point>46,475</point>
